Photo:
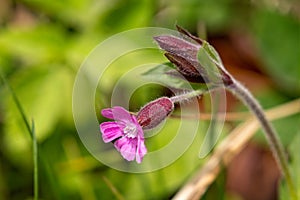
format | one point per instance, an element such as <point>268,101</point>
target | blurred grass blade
<point>114,190</point>
<point>18,104</point>
<point>35,163</point>
<point>31,132</point>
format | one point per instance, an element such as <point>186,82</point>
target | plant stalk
<point>35,164</point>
<point>194,93</point>
<point>186,96</point>
<point>247,98</point>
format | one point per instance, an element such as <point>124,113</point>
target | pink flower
<point>125,132</point>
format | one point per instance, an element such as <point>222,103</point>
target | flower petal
<point>116,113</point>
<point>127,147</point>
<point>106,125</point>
<point>110,131</point>
<point>140,131</point>
<point>107,112</point>
<point>125,131</point>
<point>141,150</point>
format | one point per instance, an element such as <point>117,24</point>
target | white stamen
<point>130,131</point>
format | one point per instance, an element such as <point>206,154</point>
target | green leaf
<point>73,12</point>
<point>40,44</point>
<point>128,14</point>
<point>169,77</point>
<point>212,53</point>
<point>45,96</point>
<point>209,60</point>
<point>278,39</point>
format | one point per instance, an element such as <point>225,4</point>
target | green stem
<point>247,98</point>
<point>35,164</point>
<point>186,96</point>
<point>31,131</point>
<point>194,93</point>
<point>18,104</point>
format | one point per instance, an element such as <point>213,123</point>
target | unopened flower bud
<point>186,69</point>
<point>155,112</point>
<point>183,53</point>
<point>179,47</point>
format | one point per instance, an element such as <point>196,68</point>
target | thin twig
<point>229,148</point>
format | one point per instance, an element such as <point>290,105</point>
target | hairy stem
<point>194,93</point>
<point>247,98</point>
<point>185,96</point>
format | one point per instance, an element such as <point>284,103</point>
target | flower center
<point>130,131</point>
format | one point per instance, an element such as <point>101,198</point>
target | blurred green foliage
<point>278,38</point>
<point>294,166</point>
<point>42,45</point>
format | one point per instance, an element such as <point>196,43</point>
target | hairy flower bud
<point>155,112</point>
<point>183,52</point>
<point>186,69</point>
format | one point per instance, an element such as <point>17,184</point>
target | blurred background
<point>42,45</point>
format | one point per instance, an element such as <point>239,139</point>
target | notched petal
<point>116,113</point>
<point>106,125</point>
<point>141,150</point>
<point>110,131</point>
<point>127,148</point>
<point>107,112</point>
